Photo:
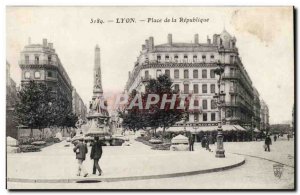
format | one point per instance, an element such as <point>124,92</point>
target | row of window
<point>185,73</point>
<point>37,74</point>
<point>213,104</point>
<point>185,56</point>
<point>186,88</point>
<point>36,59</point>
<point>204,117</point>
<point>195,58</point>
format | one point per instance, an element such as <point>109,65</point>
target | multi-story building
<point>191,67</point>
<point>11,89</point>
<point>78,106</point>
<point>11,99</point>
<point>264,116</point>
<point>40,62</point>
<point>256,109</point>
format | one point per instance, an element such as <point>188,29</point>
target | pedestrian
<point>191,142</point>
<point>203,141</point>
<point>207,145</point>
<point>268,142</point>
<point>81,149</point>
<point>275,138</point>
<point>96,154</point>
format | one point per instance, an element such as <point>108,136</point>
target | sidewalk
<point>282,151</point>
<point>57,163</point>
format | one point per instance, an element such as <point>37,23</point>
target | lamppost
<point>220,152</point>
<point>195,132</point>
<point>186,114</point>
<point>252,129</point>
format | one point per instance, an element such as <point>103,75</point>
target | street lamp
<point>195,131</point>
<point>186,114</point>
<point>220,152</point>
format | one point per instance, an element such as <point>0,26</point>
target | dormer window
<point>176,58</point>
<point>37,75</point>
<point>49,58</point>
<point>26,59</point>
<point>158,57</point>
<point>185,56</point>
<point>36,60</point>
<point>203,58</point>
<point>27,75</point>
<point>167,57</point>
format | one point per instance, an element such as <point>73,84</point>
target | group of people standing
<point>81,150</point>
<point>205,141</point>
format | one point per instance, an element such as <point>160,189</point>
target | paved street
<point>254,174</point>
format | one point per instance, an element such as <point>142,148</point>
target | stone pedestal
<point>220,152</point>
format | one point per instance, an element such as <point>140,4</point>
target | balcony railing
<point>231,76</point>
<point>231,104</point>
<point>145,79</point>
<point>37,62</point>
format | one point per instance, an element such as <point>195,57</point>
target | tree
<point>61,112</point>
<point>33,106</point>
<point>133,119</point>
<point>155,115</point>
<point>168,116</point>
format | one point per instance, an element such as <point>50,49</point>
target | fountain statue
<point>98,116</point>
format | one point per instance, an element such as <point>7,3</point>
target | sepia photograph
<point>150,98</point>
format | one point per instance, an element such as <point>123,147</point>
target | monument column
<point>97,89</point>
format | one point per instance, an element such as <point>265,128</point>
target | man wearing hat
<point>96,154</point>
<point>81,150</point>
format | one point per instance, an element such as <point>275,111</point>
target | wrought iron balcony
<point>37,62</point>
<point>145,79</point>
<point>230,76</point>
<point>235,104</point>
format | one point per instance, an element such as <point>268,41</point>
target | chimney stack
<point>143,47</point>
<point>44,42</point>
<point>128,74</point>
<point>147,44</point>
<point>196,37</point>
<point>50,45</point>
<point>208,40</point>
<point>215,37</point>
<point>151,43</point>
<point>29,40</point>
<point>170,39</point>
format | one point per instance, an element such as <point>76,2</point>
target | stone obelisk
<point>97,89</point>
<point>98,115</point>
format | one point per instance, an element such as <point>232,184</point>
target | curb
<point>263,159</point>
<point>130,178</point>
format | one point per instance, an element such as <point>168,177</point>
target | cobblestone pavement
<point>256,173</point>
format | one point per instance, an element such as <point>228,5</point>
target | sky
<point>264,39</point>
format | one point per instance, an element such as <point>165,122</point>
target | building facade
<point>11,100</point>
<point>264,116</point>
<point>191,68</point>
<point>78,106</point>
<point>40,62</point>
<point>256,109</point>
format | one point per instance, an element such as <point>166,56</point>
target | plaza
<point>248,167</point>
<point>193,110</point>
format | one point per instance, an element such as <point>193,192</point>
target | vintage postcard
<point>150,98</point>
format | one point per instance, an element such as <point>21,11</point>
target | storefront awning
<point>204,128</point>
<point>257,130</point>
<point>238,127</point>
